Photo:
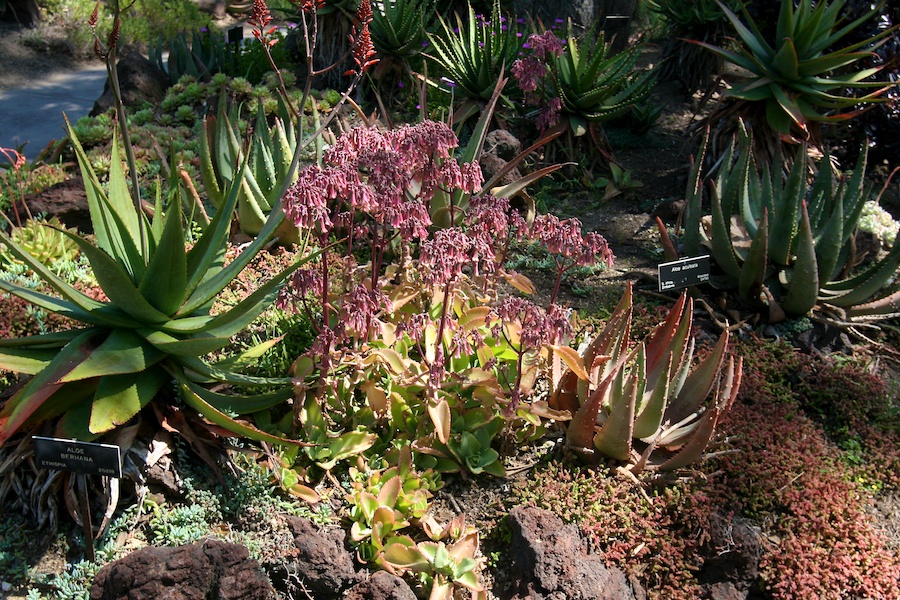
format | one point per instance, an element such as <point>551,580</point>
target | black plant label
<point>80,457</point>
<point>683,273</point>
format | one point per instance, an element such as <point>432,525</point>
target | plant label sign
<point>683,273</point>
<point>87,458</point>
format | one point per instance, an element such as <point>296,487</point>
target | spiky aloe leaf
<point>753,271</point>
<point>804,285</point>
<point>614,438</point>
<point>122,352</point>
<point>117,226</point>
<point>722,248</point>
<point>165,281</point>
<point>699,383</point>
<point>29,361</point>
<point>120,397</point>
<point>580,433</point>
<point>24,403</point>
<point>196,398</point>
<point>118,284</point>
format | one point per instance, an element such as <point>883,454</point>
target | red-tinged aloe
<point>651,392</point>
<point>151,332</point>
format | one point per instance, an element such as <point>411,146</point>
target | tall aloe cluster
<point>627,401</point>
<point>258,184</point>
<point>153,329</point>
<point>786,242</point>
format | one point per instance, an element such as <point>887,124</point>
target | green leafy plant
<point>475,52</point>
<point>44,240</point>
<point>153,329</point>
<point>577,84</point>
<point>803,76</point>
<point>788,244</point>
<point>616,392</point>
<point>259,185</point>
<point>206,55</point>
<point>399,27</point>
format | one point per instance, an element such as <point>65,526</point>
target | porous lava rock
<point>381,585</point>
<point>207,569</point>
<point>67,201</point>
<point>139,80</point>
<point>319,562</point>
<point>551,561</point>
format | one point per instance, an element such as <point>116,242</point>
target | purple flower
<point>448,82</point>
<point>400,84</point>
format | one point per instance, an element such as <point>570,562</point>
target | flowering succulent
<point>617,392</point>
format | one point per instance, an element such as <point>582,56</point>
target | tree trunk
<point>25,12</point>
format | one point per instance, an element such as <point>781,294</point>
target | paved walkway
<point>34,114</point>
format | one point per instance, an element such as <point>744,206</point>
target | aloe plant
<point>616,392</point>
<point>475,52</point>
<point>154,328</point>
<point>398,27</point>
<point>786,243</point>
<point>594,84</point>
<point>259,184</point>
<point>799,78</point>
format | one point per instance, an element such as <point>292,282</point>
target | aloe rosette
<point>398,27</point>
<point>594,85</point>
<point>152,331</point>
<point>617,393</point>
<point>475,52</point>
<point>798,77</point>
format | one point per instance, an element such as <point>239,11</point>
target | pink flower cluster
<point>539,326</point>
<point>564,237</point>
<point>389,175</point>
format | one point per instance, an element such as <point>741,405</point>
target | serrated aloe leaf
<point>249,356</point>
<point>830,242</point>
<point>693,450</point>
<point>196,345</point>
<point>45,341</point>
<point>784,219</point>
<point>699,383</point>
<point>115,222</point>
<point>207,256</point>
<point>117,284</point>
<point>243,404</point>
<point>753,271</point>
<point>120,397</point>
<point>26,360</point>
<point>207,170</point>
<point>860,288</point>
<point>164,283</point>
<point>210,287</point>
<point>654,404</point>
<point>804,285</point>
<point>121,352</point>
<point>722,248</point>
<point>74,303</point>
<point>580,433</point>
<point>209,373</point>
<point>886,307</point>
<point>39,389</point>
<point>614,438</point>
<point>196,400</point>
<point>662,337</point>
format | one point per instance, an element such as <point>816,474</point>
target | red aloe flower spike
<point>363,48</point>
